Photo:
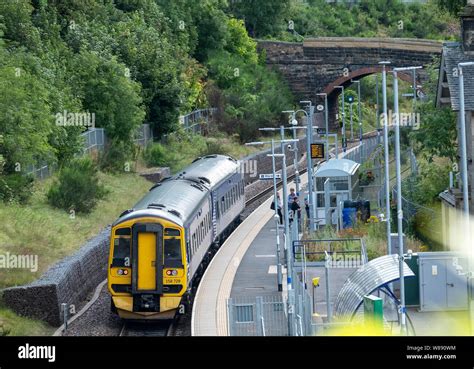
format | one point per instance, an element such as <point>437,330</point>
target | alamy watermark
<point>404,119</point>
<point>12,261</point>
<point>343,260</point>
<point>83,119</point>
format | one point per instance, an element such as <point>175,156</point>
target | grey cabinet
<point>443,281</point>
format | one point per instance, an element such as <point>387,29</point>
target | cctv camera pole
<point>399,201</point>
<point>387,158</point>
<point>277,219</point>
<point>465,184</point>
<point>309,161</point>
<point>399,197</point>
<point>295,161</point>
<point>462,123</point>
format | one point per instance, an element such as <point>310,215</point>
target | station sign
<point>269,176</point>
<point>317,151</point>
<point>320,107</point>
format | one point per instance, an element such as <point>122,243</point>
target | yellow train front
<point>157,248</point>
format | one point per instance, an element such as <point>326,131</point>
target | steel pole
<point>326,118</point>
<point>352,130</point>
<point>359,107</point>
<point>377,111</point>
<point>295,162</point>
<point>285,194</point>
<point>462,123</point>
<point>277,218</point>
<point>309,128</point>
<point>387,162</point>
<point>399,202</point>
<point>343,122</point>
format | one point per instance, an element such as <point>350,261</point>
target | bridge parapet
<point>317,65</point>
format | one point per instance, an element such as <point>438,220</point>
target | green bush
<point>16,187</point>
<point>156,155</point>
<point>77,187</point>
<point>116,156</point>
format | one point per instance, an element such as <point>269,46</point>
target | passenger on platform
<point>296,208</point>
<point>278,208</point>
<point>306,206</point>
<point>291,196</point>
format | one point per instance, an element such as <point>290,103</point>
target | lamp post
<point>309,134</point>
<point>285,208</point>
<point>359,109</point>
<point>282,129</point>
<point>386,157</point>
<point>343,119</point>
<point>465,183</point>
<point>326,121</point>
<point>352,130</point>
<point>399,195</point>
<point>462,123</point>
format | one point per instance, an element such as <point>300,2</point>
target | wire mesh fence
<point>257,316</point>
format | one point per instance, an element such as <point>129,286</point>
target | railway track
<point>147,329</point>
<point>169,328</point>
<point>269,189</point>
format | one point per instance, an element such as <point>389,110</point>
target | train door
<point>147,266</point>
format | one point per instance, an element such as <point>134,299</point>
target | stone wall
<point>317,65</point>
<point>69,281</point>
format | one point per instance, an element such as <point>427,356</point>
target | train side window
<point>121,257</point>
<point>172,253</point>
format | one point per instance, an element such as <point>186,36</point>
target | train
<point>159,247</point>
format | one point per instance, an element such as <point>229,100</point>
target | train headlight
<point>174,272</point>
<point>120,272</point>
<point>168,272</point>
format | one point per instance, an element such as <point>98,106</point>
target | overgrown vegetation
<point>292,20</point>
<point>77,188</point>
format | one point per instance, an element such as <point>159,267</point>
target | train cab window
<point>172,232</point>
<point>172,253</point>
<point>121,257</point>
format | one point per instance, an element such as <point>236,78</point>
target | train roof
<point>173,199</point>
<point>176,198</point>
<point>210,170</point>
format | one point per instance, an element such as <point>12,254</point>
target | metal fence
<point>363,151</point>
<point>195,120</point>
<point>94,139</point>
<point>257,316</point>
<point>144,135</point>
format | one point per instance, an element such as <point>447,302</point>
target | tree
<point>437,132</point>
<point>452,6</point>
<point>110,95</point>
<point>264,18</point>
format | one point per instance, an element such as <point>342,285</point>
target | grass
<point>374,235</point>
<point>14,325</point>
<point>52,234</point>
<point>182,148</point>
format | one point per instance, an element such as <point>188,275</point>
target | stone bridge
<point>318,65</point>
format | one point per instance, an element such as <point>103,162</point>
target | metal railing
<point>93,140</point>
<point>144,135</point>
<point>195,120</point>
<point>257,316</point>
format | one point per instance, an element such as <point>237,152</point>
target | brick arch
<point>359,74</point>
